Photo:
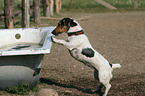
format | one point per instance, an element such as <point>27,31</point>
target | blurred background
<point>29,13</point>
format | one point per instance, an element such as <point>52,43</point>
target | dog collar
<point>76,33</point>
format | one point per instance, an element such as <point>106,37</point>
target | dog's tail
<point>116,66</point>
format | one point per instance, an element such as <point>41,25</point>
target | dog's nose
<point>53,32</point>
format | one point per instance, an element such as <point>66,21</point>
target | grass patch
<point>93,6</point>
<point>19,90</point>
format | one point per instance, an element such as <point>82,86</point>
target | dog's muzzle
<point>55,33</point>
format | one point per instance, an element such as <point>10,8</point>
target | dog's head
<point>63,26</point>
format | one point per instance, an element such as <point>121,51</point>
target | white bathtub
<point>21,53</point>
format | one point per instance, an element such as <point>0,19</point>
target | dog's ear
<point>73,24</point>
<point>68,21</point>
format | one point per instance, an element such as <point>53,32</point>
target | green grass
<point>19,90</point>
<point>93,6</point>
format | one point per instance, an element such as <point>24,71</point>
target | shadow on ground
<point>50,82</point>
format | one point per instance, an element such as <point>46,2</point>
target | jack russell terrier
<point>81,49</point>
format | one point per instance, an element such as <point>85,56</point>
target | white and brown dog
<point>81,49</point>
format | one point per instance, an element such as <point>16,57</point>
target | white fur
<point>76,43</point>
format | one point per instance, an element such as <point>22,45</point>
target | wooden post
<point>130,2</point>
<point>135,3</point>
<point>106,4</point>
<point>25,14</point>
<point>9,13</point>
<point>36,11</point>
<point>69,5</point>
<point>51,7</point>
<point>57,6</point>
<point>46,8</point>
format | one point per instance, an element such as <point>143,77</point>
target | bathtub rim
<point>43,50</point>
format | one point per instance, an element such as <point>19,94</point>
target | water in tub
<point>20,46</point>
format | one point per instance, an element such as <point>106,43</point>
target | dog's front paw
<point>58,41</point>
<point>53,39</point>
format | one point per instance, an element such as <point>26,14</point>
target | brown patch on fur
<point>59,29</point>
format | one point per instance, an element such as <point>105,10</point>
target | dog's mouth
<point>56,33</point>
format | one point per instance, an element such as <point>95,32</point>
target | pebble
<point>47,92</point>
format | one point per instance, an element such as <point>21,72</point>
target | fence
<point>31,8</point>
<point>9,14</point>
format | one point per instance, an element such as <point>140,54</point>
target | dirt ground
<point>119,37</point>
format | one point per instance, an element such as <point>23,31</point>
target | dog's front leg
<point>73,43</point>
<point>58,41</point>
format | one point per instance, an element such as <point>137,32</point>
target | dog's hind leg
<point>105,78</point>
<point>108,86</point>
